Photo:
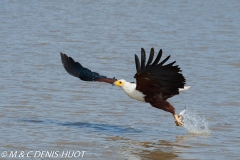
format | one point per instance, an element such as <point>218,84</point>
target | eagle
<point>155,80</point>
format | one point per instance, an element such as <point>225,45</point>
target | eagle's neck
<point>130,90</point>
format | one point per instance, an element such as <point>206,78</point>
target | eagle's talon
<point>178,120</point>
<point>180,117</point>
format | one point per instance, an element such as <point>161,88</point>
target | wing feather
<point>77,70</point>
<point>158,58</point>
<point>150,59</point>
<point>137,63</point>
<point>170,64</point>
<point>160,64</point>
<point>158,78</point>
<point>143,58</point>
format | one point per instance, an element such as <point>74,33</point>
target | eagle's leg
<point>169,108</point>
<point>178,119</point>
<point>166,106</point>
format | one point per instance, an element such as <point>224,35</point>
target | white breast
<point>130,90</point>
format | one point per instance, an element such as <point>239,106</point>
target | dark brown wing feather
<point>157,78</point>
<point>77,70</point>
<point>137,63</point>
<point>158,58</point>
<point>143,58</point>
<point>151,55</point>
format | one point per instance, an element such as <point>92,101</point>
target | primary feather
<point>77,70</point>
<point>157,77</point>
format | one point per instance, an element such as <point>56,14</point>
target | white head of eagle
<point>130,89</point>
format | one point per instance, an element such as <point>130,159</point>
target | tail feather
<point>183,89</point>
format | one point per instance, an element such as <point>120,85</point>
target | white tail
<point>183,89</point>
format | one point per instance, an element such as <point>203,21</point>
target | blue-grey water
<point>43,108</point>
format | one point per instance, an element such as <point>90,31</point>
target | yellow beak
<point>118,83</point>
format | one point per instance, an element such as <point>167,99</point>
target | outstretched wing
<point>77,70</point>
<point>156,77</point>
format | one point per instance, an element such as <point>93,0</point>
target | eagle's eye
<point>120,82</point>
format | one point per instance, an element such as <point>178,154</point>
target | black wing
<point>157,77</point>
<point>77,70</point>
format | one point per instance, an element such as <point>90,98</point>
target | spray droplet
<point>193,123</point>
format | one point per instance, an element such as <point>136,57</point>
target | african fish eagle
<point>155,82</point>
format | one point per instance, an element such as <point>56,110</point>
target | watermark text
<point>43,154</point>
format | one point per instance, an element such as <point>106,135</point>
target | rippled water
<point>45,109</point>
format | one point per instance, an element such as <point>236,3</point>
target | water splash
<point>193,123</point>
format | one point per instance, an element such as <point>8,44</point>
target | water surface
<point>43,108</point>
